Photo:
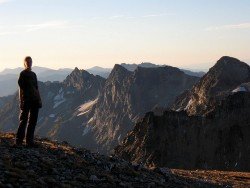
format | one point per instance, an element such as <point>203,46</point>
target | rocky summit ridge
<point>225,76</point>
<point>128,95</point>
<point>54,164</point>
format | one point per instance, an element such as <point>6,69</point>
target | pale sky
<point>85,33</point>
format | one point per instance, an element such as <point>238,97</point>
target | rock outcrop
<point>225,76</point>
<point>128,95</point>
<point>218,140</point>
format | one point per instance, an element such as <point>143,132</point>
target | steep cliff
<point>128,95</point>
<point>218,140</point>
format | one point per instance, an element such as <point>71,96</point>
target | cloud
<point>137,17</point>
<point>7,33</point>
<point>228,27</point>
<point>4,1</point>
<point>45,25</point>
<point>157,15</point>
<point>117,16</point>
<point>16,29</point>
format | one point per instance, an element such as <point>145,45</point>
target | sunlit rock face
<point>226,76</point>
<point>128,95</point>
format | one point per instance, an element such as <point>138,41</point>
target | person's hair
<point>28,62</point>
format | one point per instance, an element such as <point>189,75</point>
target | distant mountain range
<point>132,67</point>
<point>8,77</point>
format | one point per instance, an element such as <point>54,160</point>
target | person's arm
<point>21,81</point>
<point>38,93</point>
<point>36,82</point>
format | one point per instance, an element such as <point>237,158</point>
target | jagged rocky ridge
<point>127,95</point>
<point>216,137</point>
<point>132,67</point>
<point>55,164</point>
<point>87,110</point>
<point>225,76</point>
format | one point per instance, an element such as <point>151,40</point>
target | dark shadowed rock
<point>54,164</point>
<point>218,140</point>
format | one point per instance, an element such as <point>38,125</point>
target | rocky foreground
<point>54,164</point>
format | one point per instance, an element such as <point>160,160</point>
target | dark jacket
<point>28,89</point>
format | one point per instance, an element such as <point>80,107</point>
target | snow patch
<point>86,130</point>
<point>189,104</point>
<point>239,89</point>
<point>40,119</point>
<point>82,113</point>
<point>90,120</point>
<point>119,138</point>
<point>70,92</point>
<point>59,98</point>
<point>56,104</point>
<point>52,115</point>
<point>179,109</point>
<point>84,108</point>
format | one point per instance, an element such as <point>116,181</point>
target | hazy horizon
<point>83,33</point>
<point>96,66</point>
<point>198,68</point>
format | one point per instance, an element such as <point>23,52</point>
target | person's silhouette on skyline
<point>30,102</point>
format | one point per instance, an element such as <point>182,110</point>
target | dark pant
<point>28,115</point>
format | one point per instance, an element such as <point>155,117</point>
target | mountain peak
<point>228,58</point>
<point>226,75</point>
<point>118,72</point>
<point>80,72</point>
<point>118,67</point>
<point>226,61</point>
<point>228,66</point>
<point>76,69</point>
<point>81,79</point>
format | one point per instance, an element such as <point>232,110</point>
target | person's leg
<point>23,118</point>
<point>31,126</point>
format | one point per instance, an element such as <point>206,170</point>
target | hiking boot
<point>17,145</point>
<point>32,145</point>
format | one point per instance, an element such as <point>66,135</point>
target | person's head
<point>28,62</point>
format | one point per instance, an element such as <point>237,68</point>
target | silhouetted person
<point>30,102</point>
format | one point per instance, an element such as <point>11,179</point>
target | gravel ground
<point>54,164</point>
